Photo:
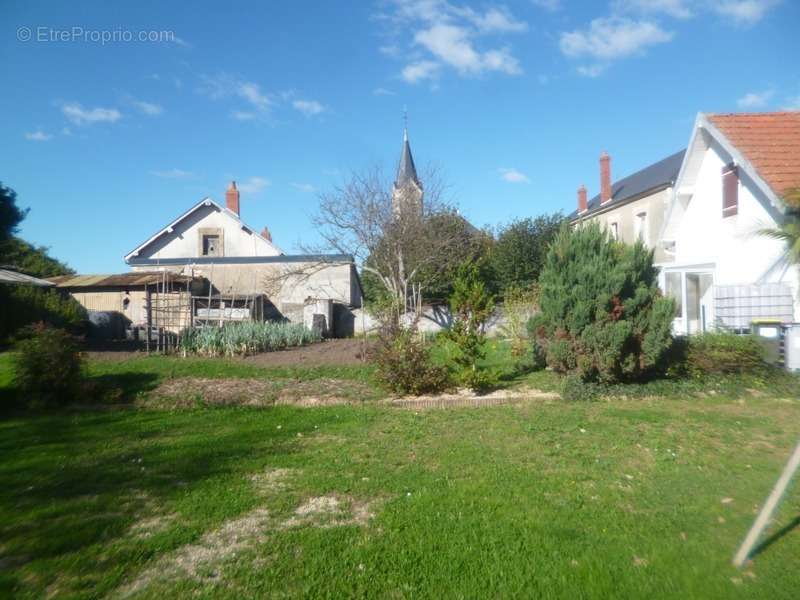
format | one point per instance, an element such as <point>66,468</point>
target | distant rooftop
<point>656,177</point>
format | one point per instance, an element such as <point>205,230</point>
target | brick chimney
<point>582,205</point>
<point>605,177</point>
<point>266,234</point>
<point>232,198</point>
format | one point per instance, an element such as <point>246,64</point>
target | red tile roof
<point>770,141</point>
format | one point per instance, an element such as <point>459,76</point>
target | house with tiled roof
<point>732,183</point>
<point>631,208</point>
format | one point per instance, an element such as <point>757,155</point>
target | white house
<point>632,208</point>
<point>731,184</point>
<point>244,268</point>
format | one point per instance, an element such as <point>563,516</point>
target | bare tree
<point>403,247</point>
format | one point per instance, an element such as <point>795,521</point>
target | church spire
<point>406,171</point>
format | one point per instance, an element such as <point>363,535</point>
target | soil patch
<point>330,511</point>
<point>340,352</point>
<point>467,398</point>
<point>188,392</point>
<point>201,560</point>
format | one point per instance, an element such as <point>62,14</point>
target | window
<point>614,228</point>
<point>674,290</point>
<point>730,190</point>
<point>211,245</point>
<point>640,227</point>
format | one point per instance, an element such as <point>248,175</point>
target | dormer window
<point>730,190</point>
<point>210,245</point>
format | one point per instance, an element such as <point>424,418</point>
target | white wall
<point>184,241</point>
<point>731,244</point>
<point>654,206</point>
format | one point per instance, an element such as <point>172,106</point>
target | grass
<point>624,499</point>
<point>639,495</point>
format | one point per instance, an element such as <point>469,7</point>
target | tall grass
<point>244,338</point>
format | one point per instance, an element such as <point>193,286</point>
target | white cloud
<point>495,20</point>
<point>227,86</point>
<point>181,42</point>
<point>594,70</point>
<point>66,131</point>
<point>452,45</point>
<point>304,187</point>
<point>174,174</point>
<point>678,9</point>
<point>382,92</point>
<point>755,99</point>
<point>419,71</point>
<point>147,108</point>
<point>83,116</point>
<point>38,136</point>
<point>612,38</point>
<point>792,104</point>
<point>512,175</point>
<point>254,185</point>
<point>308,107</point>
<point>551,5</point>
<point>243,115</point>
<point>454,36</point>
<point>743,12</point>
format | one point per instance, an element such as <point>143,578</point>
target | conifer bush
<point>602,316</point>
<point>49,367</point>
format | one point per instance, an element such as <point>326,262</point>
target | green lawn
<point>626,498</point>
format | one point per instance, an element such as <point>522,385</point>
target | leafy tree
<point>403,251</point>
<point>520,249</point>
<point>30,259</point>
<point>10,214</point>
<point>24,304</point>
<point>788,231</point>
<point>602,313</point>
<point>471,305</point>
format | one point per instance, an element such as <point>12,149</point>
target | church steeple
<point>406,171</point>
<point>407,190</point>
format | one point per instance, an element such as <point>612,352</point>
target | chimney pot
<point>605,177</point>
<point>232,198</point>
<point>582,204</point>
<point>266,234</point>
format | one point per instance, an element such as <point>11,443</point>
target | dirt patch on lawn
<point>203,560</point>
<point>330,511</point>
<point>328,353</point>
<point>467,398</point>
<point>189,392</point>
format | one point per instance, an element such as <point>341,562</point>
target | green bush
<point>575,389</point>
<point>720,354</point>
<point>49,367</point>
<point>24,305</point>
<point>471,305</point>
<point>602,314</point>
<point>404,365</point>
<point>245,338</point>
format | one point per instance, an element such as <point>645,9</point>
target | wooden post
<point>149,308</point>
<point>769,507</point>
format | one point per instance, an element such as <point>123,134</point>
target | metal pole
<point>769,507</point>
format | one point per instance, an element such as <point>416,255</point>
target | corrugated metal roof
<point>661,174</point>
<point>15,277</point>
<point>132,279</point>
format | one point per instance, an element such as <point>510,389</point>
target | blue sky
<point>106,142</point>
